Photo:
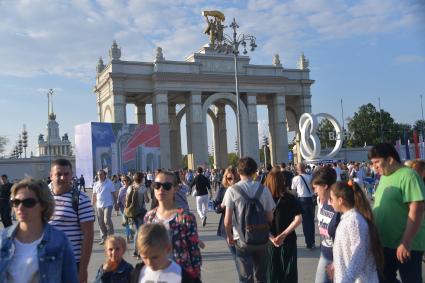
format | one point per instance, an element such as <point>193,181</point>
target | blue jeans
<point>321,274</point>
<point>411,271</point>
<point>251,264</point>
<point>308,220</point>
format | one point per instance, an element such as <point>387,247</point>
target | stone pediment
<point>212,61</point>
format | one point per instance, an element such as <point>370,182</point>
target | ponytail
<point>354,196</point>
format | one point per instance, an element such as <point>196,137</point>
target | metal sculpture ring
<point>310,146</point>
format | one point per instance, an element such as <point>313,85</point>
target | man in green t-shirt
<point>399,211</point>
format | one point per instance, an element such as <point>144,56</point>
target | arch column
<point>140,111</point>
<point>175,148</point>
<point>161,118</point>
<point>220,137</point>
<point>197,140</point>
<point>252,147</point>
<point>119,111</point>
<point>278,129</point>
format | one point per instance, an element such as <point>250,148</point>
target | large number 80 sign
<point>310,143</point>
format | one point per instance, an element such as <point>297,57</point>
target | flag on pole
<point>398,147</point>
<point>406,145</point>
<point>415,140</point>
<point>421,146</point>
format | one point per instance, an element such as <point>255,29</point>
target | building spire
<point>50,114</point>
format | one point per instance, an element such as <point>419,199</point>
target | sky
<point>359,51</point>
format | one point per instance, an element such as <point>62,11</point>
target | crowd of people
<point>369,217</point>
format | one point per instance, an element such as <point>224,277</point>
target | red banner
<point>415,139</point>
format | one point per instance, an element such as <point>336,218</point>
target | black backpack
<point>250,218</point>
<point>76,202</point>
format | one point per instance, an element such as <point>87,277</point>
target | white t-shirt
<point>338,172</point>
<point>104,192</point>
<point>23,267</point>
<point>171,274</point>
<point>300,186</point>
<point>250,188</point>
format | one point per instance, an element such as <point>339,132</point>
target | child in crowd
<point>154,248</point>
<point>115,269</point>
<point>357,251</point>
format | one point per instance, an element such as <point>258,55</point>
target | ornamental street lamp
<point>20,147</point>
<point>230,44</point>
<point>25,140</point>
<point>265,145</point>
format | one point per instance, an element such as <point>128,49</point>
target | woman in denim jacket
<point>32,250</point>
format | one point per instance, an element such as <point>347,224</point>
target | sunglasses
<point>28,202</point>
<point>166,186</point>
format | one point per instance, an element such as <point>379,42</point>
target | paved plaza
<point>217,264</point>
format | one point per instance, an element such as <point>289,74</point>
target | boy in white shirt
<point>154,249</point>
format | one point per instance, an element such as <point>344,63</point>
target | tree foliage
<point>325,127</point>
<point>369,125</point>
<point>3,143</point>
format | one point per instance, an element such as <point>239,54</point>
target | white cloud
<point>66,38</point>
<point>402,59</point>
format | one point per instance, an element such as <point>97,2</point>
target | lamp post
<point>25,140</point>
<point>230,44</point>
<point>380,119</point>
<point>20,146</point>
<point>265,145</point>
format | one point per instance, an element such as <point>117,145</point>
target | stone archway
<point>213,117</point>
<point>107,114</point>
<point>230,98</point>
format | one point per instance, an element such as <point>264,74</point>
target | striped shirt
<point>65,218</point>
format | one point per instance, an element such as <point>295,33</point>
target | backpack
<point>76,202</point>
<point>133,209</point>
<point>250,219</point>
<point>131,204</point>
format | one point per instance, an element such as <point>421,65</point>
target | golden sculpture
<point>215,27</point>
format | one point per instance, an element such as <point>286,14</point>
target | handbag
<point>314,197</point>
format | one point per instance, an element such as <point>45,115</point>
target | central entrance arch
<point>203,79</point>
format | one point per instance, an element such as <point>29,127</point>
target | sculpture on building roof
<point>159,56</point>
<point>100,66</point>
<point>303,63</point>
<point>276,61</point>
<point>114,52</point>
<point>215,26</point>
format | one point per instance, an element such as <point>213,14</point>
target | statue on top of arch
<point>215,26</point>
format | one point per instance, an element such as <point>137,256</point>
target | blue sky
<point>358,51</point>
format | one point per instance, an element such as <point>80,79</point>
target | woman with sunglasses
<point>230,177</point>
<point>180,223</point>
<point>32,250</point>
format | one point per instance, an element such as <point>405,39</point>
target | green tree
<point>184,162</point>
<point>3,143</point>
<point>325,127</point>
<point>419,126</point>
<point>233,158</point>
<point>367,127</point>
<point>211,160</point>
